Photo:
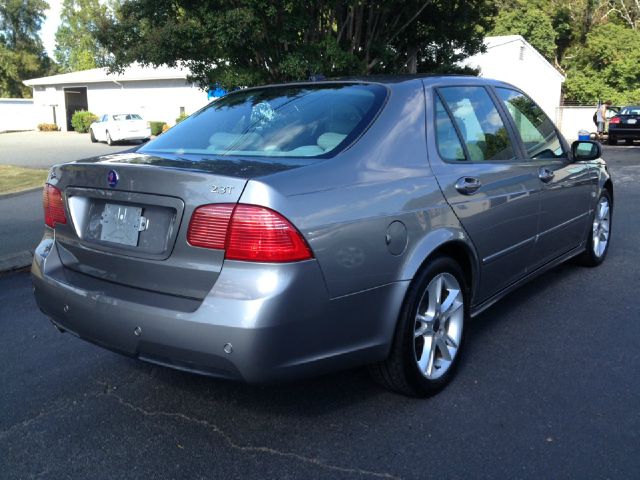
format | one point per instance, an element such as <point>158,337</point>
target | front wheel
<point>93,137</point>
<point>109,140</point>
<point>600,232</point>
<point>429,334</point>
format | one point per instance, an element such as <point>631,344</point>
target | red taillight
<point>247,232</point>
<point>53,206</point>
<point>208,225</point>
<point>614,120</point>
<point>262,235</point>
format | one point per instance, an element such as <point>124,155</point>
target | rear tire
<point>599,234</point>
<point>430,332</point>
<point>629,141</point>
<point>109,140</point>
<point>93,137</point>
<point>611,140</point>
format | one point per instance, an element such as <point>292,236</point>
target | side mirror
<point>582,150</point>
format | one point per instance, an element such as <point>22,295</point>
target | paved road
<point>21,222</point>
<point>548,389</point>
<point>43,149</point>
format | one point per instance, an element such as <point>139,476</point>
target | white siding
<point>157,100</point>
<point>571,120</point>
<point>17,114</point>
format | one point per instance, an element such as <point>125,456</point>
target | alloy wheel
<point>601,224</point>
<point>438,326</point>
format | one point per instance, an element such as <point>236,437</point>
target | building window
<point>521,56</point>
<point>182,112</point>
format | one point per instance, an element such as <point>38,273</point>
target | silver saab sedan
<point>291,230</point>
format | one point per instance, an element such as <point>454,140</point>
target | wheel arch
<point>451,243</point>
<point>608,185</point>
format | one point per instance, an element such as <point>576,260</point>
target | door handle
<point>468,185</point>
<point>545,174</point>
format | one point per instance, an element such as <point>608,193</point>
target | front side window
<point>535,128</point>
<point>480,124</point>
<point>288,121</point>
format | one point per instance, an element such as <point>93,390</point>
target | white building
<point>158,94</point>
<point>512,59</point>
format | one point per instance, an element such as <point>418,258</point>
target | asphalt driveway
<point>21,217</point>
<point>43,149</point>
<point>547,389</point>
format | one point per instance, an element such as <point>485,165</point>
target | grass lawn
<point>15,179</point>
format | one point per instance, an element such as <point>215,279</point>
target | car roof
<point>392,80</point>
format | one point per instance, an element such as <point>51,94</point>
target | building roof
<point>134,72</point>
<point>500,40</point>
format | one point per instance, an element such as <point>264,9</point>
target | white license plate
<point>121,224</point>
<point>632,120</point>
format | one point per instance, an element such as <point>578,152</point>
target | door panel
<point>501,213</point>
<point>566,187</point>
<point>564,215</point>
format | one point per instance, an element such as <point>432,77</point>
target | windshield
<point>287,121</point>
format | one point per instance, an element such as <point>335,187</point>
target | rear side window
<point>482,129</point>
<point>449,145</point>
<point>288,121</point>
<point>630,111</point>
<point>535,128</point>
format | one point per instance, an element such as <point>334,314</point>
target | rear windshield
<point>630,111</point>
<point>288,121</point>
<point>127,116</point>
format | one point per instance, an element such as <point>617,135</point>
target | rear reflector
<point>53,206</point>
<point>247,232</point>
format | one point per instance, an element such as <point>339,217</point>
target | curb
<point>15,261</point>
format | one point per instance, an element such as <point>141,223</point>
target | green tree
<point>22,54</point>
<point>533,23</point>
<point>76,47</point>
<point>247,42</point>
<point>606,66</point>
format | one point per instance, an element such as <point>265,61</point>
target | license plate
<point>632,120</point>
<point>121,224</point>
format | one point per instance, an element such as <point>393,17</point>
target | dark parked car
<point>290,230</point>
<point>625,125</point>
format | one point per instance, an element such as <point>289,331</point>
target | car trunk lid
<point>129,216</point>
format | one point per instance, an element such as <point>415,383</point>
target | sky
<point>51,23</point>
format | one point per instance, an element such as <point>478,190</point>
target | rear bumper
<point>135,135</point>
<point>625,132</point>
<point>278,320</point>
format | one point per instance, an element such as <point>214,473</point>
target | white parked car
<point>119,127</point>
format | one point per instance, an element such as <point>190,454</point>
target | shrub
<point>48,127</point>
<point>181,117</point>
<point>81,121</point>
<point>156,127</point>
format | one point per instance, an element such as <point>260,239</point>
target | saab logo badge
<point>112,178</point>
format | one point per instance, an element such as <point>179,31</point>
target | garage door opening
<point>75,98</point>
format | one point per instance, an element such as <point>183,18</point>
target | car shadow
<point>323,394</point>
